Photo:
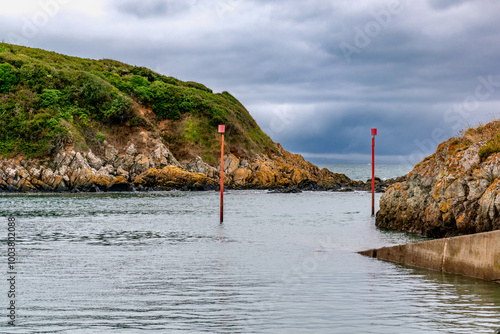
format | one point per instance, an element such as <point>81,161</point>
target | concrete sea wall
<point>475,255</point>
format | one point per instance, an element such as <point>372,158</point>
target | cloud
<point>284,60</point>
<point>446,4</point>
<point>144,9</point>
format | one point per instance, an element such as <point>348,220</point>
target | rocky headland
<point>158,169</point>
<point>454,191</point>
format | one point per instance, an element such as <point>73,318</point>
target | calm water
<point>363,172</point>
<point>281,263</point>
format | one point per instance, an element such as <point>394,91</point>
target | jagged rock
<point>131,150</point>
<point>174,178</point>
<point>10,173</point>
<point>79,162</point>
<point>163,157</point>
<point>111,154</point>
<point>58,184</point>
<point>93,161</point>
<point>231,163</point>
<point>452,192</point>
<point>107,170</point>
<point>119,184</point>
<point>48,177</point>
<point>25,185</point>
<point>121,172</point>
<point>197,166</point>
<point>242,176</point>
<point>141,164</point>
<point>35,172</point>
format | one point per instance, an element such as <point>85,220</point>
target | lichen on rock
<point>452,192</point>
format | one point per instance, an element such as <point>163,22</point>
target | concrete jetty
<point>474,255</point>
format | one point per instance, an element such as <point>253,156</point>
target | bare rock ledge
<point>158,169</point>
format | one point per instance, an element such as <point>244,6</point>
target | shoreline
<point>74,171</point>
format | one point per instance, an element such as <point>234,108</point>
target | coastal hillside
<point>50,101</point>
<point>454,191</point>
<point>72,124</point>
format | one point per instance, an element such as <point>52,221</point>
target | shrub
<point>118,82</point>
<point>118,108</point>
<point>8,77</point>
<point>100,137</point>
<point>94,91</point>
<point>143,94</point>
<point>139,81</point>
<point>36,76</point>
<point>199,86</point>
<point>165,98</point>
<point>50,97</point>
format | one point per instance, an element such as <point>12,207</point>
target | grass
<point>488,135</point>
<point>491,147</point>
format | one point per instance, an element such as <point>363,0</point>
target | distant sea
<point>363,172</point>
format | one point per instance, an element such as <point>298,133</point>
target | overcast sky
<point>317,75</point>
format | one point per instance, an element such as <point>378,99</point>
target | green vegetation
<point>488,135</point>
<point>491,147</point>
<point>51,100</point>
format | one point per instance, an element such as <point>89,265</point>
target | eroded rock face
<point>449,193</point>
<point>159,169</point>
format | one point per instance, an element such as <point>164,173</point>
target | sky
<point>316,75</point>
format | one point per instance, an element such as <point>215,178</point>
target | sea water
<point>363,172</point>
<point>280,263</point>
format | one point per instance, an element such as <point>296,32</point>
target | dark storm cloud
<point>317,75</point>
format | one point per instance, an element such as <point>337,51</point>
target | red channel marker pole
<point>222,129</point>
<point>374,133</point>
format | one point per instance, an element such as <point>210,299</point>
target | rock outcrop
<point>157,169</point>
<point>452,192</point>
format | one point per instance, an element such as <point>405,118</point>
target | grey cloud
<point>287,54</point>
<point>144,9</point>
<point>446,4</point>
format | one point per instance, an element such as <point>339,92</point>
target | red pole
<point>374,133</point>
<point>373,175</point>
<point>221,131</point>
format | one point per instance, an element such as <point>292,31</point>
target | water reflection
<point>442,301</point>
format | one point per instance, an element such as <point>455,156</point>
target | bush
<point>165,99</point>
<point>50,98</point>
<point>94,91</point>
<point>143,94</point>
<point>36,76</point>
<point>144,72</point>
<point>8,77</point>
<point>199,86</point>
<point>139,81</point>
<point>119,82</point>
<point>118,108</point>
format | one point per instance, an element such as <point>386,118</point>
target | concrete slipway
<point>475,255</point>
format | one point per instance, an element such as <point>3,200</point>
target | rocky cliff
<point>452,192</point>
<point>158,169</point>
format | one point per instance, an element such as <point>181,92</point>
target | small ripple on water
<point>119,238</point>
<point>279,264</point>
